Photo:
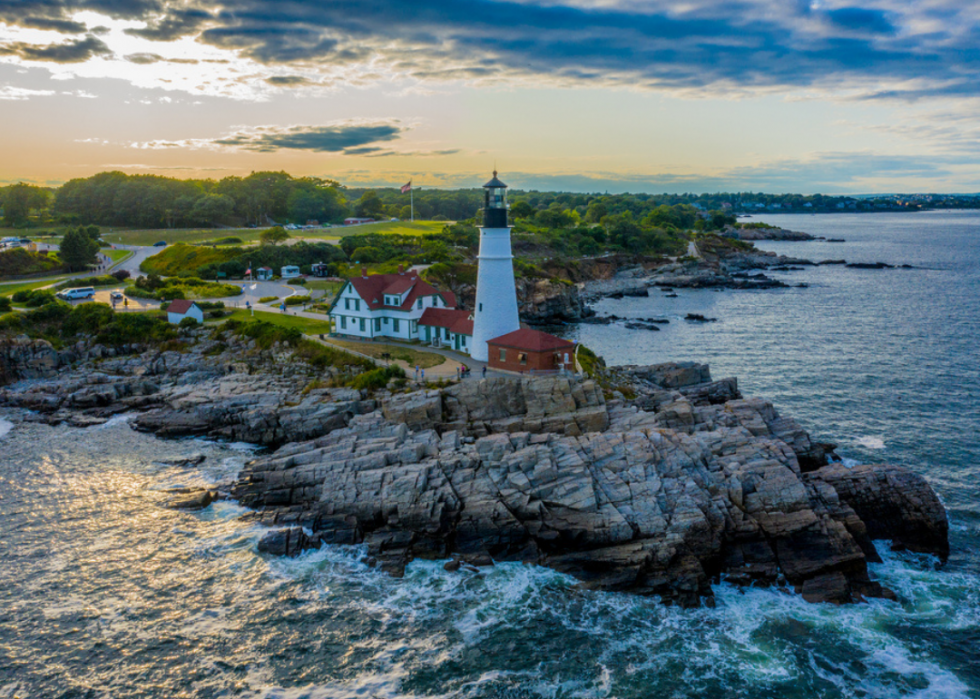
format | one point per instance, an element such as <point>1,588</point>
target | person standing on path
<point>423,376</point>
<point>484,371</point>
<point>416,373</point>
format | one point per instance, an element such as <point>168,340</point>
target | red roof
<point>180,306</point>
<point>463,326</point>
<point>445,318</point>
<point>530,341</point>
<point>372,289</point>
<point>401,285</point>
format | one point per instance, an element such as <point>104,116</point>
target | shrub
<point>11,321</point>
<point>296,300</point>
<point>376,378</point>
<point>5,306</point>
<point>188,323</point>
<point>268,299</point>
<point>104,280</point>
<point>33,298</point>
<point>54,311</point>
<point>20,261</point>
<point>120,274</point>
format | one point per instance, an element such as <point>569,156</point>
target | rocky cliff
<point>655,500</point>
<point>660,489</point>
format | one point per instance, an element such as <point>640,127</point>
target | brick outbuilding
<point>525,350</point>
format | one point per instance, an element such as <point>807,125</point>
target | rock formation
<point>659,499</point>
<point>658,484</point>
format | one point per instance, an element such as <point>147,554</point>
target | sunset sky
<point>580,95</point>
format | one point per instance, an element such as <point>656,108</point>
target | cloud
<point>348,138</point>
<point>64,26</point>
<point>335,138</point>
<point>11,93</point>
<point>821,172</point>
<point>75,51</point>
<point>174,25</point>
<point>144,59</point>
<point>288,80</point>
<point>884,49</point>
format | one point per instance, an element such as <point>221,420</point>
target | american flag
<point>407,187</point>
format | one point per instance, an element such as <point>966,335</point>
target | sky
<point>829,96</point>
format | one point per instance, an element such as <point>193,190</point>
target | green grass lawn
<point>177,235</point>
<point>14,287</point>
<point>116,255</point>
<point>307,326</point>
<point>198,235</point>
<point>385,227</point>
<point>409,355</point>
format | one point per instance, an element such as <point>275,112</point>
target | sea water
<point>104,593</point>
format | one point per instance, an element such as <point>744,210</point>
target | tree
<point>370,205</point>
<point>521,209</point>
<point>19,200</point>
<point>212,208</point>
<point>78,250</point>
<point>273,236</point>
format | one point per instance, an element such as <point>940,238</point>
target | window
<point>377,324</point>
<point>503,355</point>
<point>435,300</point>
<point>419,304</point>
<point>414,327</point>
<point>362,325</point>
<point>481,307</point>
<point>343,321</point>
<point>522,357</point>
<point>386,321</point>
<point>357,306</point>
<point>394,325</point>
<point>446,330</point>
<point>346,304</point>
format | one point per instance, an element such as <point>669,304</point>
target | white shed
<point>290,271</point>
<point>180,309</point>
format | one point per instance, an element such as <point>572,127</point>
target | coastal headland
<point>648,479</point>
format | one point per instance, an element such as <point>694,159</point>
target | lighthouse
<point>496,293</point>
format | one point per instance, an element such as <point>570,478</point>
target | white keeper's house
<point>386,305</point>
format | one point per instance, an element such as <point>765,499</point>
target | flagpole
<point>411,199</point>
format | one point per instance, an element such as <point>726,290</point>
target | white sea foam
<point>871,442</point>
<point>5,427</point>
<point>115,421</point>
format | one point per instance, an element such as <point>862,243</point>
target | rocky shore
<point>660,480</point>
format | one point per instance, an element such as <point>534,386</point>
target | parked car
<point>85,292</point>
<point>116,296</point>
<point>160,244</point>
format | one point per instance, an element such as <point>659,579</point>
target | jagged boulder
<point>637,506</point>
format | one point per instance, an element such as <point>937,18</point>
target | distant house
<point>446,327</point>
<point>354,220</point>
<point>527,350</point>
<point>290,272</point>
<point>320,269</point>
<point>386,305</point>
<point>182,308</point>
<point>264,274</point>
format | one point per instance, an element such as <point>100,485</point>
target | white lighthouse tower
<point>496,293</point>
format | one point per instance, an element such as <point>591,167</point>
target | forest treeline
<point>265,198</point>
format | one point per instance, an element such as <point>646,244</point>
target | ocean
<point>103,593</point>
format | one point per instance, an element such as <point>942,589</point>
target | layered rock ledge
<point>660,494</point>
<point>661,483</point>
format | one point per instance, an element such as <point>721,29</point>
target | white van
<point>85,292</point>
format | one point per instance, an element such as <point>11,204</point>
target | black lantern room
<point>494,203</point>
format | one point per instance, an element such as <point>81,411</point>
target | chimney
<point>364,272</point>
<point>401,269</point>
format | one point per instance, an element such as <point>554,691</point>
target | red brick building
<point>525,350</point>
